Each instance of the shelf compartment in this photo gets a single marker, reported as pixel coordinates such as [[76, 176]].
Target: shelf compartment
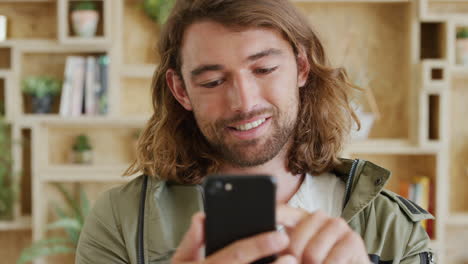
[[26, 173], [458, 196], [136, 97], [109, 149], [30, 19], [5, 58], [46, 64], [435, 74], [433, 40], [359, 36], [2, 97], [66, 32], [141, 47], [406, 168]]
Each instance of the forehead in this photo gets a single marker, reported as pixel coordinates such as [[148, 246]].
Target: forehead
[[211, 42]]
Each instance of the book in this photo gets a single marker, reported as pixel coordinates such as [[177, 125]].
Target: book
[[90, 84], [78, 85], [65, 98]]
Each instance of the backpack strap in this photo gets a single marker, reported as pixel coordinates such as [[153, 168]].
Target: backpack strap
[[141, 214]]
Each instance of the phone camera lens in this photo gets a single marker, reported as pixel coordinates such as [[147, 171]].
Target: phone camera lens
[[215, 187]]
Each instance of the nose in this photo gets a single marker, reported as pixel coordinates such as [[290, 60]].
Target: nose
[[243, 94]]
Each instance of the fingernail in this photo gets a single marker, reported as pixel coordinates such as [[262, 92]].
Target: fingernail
[[289, 259]]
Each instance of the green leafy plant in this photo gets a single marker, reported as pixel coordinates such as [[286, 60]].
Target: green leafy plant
[[158, 10], [7, 189], [82, 143], [462, 33], [84, 5], [70, 220], [41, 86]]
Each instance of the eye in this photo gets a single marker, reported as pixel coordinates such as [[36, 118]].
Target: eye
[[213, 84], [265, 70]]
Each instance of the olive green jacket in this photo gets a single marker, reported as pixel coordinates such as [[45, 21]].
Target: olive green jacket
[[388, 223]]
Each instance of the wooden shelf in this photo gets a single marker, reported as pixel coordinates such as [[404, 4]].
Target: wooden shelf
[[458, 219], [138, 71], [84, 173], [19, 224], [56, 120], [353, 1], [391, 146]]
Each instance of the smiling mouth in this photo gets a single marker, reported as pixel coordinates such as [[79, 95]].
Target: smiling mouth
[[249, 126]]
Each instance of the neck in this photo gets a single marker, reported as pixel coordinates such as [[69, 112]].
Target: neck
[[287, 183]]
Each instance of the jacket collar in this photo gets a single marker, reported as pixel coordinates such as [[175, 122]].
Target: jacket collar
[[364, 181]]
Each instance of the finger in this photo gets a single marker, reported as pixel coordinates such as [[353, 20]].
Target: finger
[[251, 249], [289, 216], [286, 259], [305, 231], [190, 247], [326, 238], [348, 250]]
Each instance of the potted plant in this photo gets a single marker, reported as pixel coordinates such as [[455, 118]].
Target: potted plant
[[85, 18], [7, 193], [462, 46], [42, 90], [158, 10], [82, 151], [70, 219]]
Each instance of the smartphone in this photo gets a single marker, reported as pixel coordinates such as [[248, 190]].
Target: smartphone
[[237, 207]]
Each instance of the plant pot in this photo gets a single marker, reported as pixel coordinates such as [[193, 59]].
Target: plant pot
[[42, 105], [85, 22], [82, 157], [462, 51]]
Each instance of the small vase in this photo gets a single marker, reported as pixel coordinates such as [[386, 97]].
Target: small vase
[[85, 22], [82, 157], [462, 51], [42, 105]]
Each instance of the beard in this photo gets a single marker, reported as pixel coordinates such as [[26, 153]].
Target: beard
[[250, 153]]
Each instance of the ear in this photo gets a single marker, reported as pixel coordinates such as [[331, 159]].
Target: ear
[[303, 67], [176, 85]]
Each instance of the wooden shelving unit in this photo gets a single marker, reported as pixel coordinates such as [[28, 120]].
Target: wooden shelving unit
[[407, 46]]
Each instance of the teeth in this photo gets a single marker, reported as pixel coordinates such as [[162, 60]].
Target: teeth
[[251, 125]]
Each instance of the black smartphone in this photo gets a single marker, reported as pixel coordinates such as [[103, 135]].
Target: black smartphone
[[237, 207]]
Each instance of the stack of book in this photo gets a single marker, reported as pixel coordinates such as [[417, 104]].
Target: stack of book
[[421, 191], [85, 86]]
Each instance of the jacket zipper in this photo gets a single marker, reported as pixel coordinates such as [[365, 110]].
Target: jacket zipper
[[349, 183]]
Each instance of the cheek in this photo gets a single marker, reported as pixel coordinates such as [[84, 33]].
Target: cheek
[[208, 108]]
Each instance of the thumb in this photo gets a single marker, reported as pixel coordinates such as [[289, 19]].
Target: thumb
[[190, 247]]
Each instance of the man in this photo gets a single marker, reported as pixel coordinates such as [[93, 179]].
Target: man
[[243, 87]]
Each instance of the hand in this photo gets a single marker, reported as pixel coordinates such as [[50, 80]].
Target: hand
[[241, 252], [317, 238]]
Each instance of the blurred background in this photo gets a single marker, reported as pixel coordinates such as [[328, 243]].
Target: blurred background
[[75, 79]]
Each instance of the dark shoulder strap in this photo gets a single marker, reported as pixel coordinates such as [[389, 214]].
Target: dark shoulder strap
[[141, 218]]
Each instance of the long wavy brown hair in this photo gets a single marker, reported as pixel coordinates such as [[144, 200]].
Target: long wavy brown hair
[[171, 146]]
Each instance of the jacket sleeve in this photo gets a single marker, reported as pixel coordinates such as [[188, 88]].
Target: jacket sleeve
[[417, 250], [101, 239]]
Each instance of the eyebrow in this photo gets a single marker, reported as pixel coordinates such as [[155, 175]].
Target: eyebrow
[[217, 67]]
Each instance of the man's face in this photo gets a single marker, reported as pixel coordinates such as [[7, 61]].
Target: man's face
[[243, 89]]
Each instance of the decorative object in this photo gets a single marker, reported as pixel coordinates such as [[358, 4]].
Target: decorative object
[[7, 189], [367, 119], [3, 28], [42, 90], [158, 10], [70, 219], [82, 151], [462, 46], [85, 18]]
